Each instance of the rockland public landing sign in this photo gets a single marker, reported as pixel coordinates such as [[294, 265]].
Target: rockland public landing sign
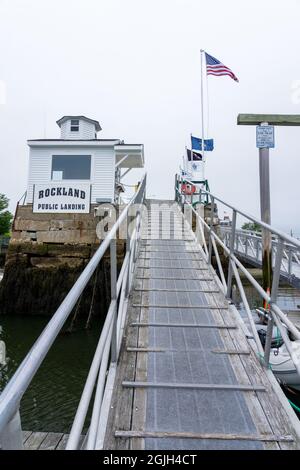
[[62, 198]]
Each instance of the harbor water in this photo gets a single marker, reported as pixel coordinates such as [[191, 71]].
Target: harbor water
[[51, 401], [52, 398]]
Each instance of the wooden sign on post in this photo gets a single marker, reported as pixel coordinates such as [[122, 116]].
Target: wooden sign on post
[[264, 141]]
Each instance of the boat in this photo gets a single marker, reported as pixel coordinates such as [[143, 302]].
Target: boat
[[277, 340], [280, 360], [283, 366]]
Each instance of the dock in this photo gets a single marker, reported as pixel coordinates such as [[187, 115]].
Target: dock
[[188, 375], [176, 367], [45, 440]]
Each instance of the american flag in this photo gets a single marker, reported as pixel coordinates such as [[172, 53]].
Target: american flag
[[215, 67]]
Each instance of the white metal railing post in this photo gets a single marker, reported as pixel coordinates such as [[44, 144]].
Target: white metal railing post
[[11, 437], [290, 261], [247, 307], [200, 236], [113, 288], [257, 249], [231, 247], [274, 292], [219, 264], [212, 201], [128, 251]]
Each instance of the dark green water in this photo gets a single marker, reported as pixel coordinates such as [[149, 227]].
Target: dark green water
[[52, 398]]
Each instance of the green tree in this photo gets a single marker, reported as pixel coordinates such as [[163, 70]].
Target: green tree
[[251, 226], [5, 216]]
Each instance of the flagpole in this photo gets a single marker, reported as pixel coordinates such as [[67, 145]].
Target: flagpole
[[202, 116]]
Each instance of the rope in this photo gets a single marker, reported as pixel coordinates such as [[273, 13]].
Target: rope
[[294, 406], [92, 301], [262, 360], [70, 329], [278, 336]]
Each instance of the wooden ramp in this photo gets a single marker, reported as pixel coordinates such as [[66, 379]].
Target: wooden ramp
[[188, 377], [46, 440]]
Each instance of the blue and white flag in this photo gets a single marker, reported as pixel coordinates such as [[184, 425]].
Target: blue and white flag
[[197, 144]]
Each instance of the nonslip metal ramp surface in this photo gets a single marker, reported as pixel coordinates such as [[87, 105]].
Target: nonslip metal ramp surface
[[195, 385]]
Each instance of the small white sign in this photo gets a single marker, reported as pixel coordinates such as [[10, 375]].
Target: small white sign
[[62, 198], [265, 137]]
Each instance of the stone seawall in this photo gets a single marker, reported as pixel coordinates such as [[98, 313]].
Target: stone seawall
[[37, 277], [54, 228], [46, 255]]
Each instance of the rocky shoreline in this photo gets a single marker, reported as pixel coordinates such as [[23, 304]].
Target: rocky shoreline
[[38, 276]]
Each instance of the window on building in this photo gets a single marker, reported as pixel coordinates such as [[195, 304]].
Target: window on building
[[71, 167], [74, 125]]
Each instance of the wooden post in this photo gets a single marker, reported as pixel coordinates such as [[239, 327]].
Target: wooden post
[[265, 210], [264, 174]]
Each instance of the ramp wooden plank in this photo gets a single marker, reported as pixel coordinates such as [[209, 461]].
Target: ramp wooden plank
[[216, 436], [26, 435], [51, 441], [35, 440]]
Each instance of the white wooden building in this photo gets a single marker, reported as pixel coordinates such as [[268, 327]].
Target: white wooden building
[[62, 170]]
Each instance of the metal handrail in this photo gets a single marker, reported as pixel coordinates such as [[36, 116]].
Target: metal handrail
[[258, 235], [269, 228], [10, 426], [244, 240], [276, 314]]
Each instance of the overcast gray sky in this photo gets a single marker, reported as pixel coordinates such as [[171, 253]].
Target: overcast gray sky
[[135, 66]]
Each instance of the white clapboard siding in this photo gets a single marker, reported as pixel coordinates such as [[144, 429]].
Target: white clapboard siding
[[39, 170], [102, 169], [86, 130], [104, 174]]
